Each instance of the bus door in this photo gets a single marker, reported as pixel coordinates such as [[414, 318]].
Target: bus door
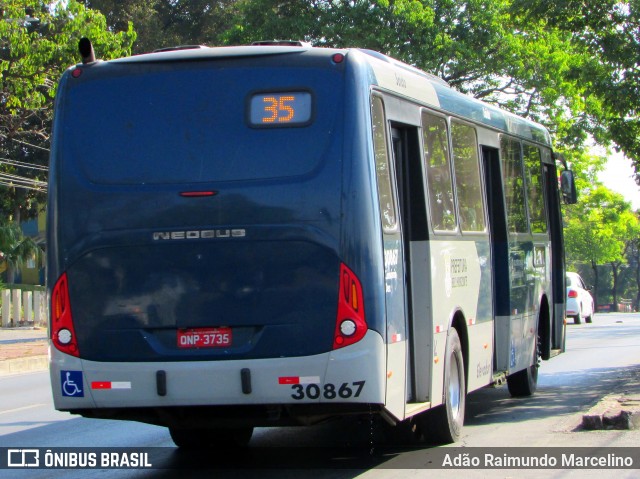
[[413, 216], [558, 331], [394, 273], [499, 256]]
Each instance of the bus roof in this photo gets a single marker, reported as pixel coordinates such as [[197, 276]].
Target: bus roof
[[388, 73]]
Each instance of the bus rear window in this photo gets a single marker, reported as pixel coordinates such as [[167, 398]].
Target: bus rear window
[[190, 124]]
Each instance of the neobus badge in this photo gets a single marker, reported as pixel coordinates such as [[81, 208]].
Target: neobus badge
[[198, 234]]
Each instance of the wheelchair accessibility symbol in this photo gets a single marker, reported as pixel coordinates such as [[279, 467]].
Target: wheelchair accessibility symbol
[[71, 383]]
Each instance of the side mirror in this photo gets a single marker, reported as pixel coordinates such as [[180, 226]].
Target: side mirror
[[568, 187]]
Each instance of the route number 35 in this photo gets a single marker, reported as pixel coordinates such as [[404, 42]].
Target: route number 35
[[280, 109]]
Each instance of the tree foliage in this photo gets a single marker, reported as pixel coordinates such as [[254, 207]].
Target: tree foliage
[[607, 32], [168, 23], [634, 260], [600, 230], [15, 248], [480, 47], [598, 226], [38, 40]]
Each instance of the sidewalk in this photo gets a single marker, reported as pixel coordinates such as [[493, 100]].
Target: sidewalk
[[23, 350]]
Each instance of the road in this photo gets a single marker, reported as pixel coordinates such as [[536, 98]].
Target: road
[[599, 358]]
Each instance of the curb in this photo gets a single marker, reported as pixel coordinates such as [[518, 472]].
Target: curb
[[619, 410], [620, 420], [24, 365]]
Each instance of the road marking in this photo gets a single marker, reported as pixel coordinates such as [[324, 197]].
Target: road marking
[[23, 408]]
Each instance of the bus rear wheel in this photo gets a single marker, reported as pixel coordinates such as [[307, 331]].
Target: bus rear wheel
[[525, 382], [443, 424], [214, 437]]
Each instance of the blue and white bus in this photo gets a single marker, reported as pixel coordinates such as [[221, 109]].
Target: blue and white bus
[[279, 234]]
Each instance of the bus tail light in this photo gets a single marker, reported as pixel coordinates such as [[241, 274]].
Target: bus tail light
[[63, 334], [351, 325], [573, 293]]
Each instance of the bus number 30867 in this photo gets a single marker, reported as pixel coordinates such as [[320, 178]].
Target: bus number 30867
[[328, 391]]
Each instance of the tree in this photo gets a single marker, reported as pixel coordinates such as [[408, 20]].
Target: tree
[[628, 229], [598, 231], [38, 40], [634, 260], [480, 47], [16, 249], [608, 34], [168, 23]]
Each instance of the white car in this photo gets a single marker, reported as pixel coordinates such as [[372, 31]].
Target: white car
[[579, 300]]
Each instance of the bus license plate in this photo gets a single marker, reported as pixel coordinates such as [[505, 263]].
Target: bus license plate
[[204, 338]]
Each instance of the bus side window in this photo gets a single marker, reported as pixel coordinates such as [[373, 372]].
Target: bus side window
[[438, 172], [468, 185], [383, 168], [535, 189], [513, 178]]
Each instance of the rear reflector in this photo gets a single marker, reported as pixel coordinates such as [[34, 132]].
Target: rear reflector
[[351, 325], [197, 194], [111, 385], [63, 335]]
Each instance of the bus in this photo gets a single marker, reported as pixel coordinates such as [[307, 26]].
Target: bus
[[278, 234]]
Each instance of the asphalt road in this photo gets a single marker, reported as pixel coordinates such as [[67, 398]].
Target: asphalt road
[[599, 359]]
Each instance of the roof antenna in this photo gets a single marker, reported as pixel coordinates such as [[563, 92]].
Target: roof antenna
[[86, 51]]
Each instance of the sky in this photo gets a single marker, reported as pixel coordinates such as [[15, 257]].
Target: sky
[[617, 176]]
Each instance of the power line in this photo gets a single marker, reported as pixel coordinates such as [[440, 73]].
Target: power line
[[21, 164], [13, 185], [16, 181], [21, 182], [22, 179], [25, 143]]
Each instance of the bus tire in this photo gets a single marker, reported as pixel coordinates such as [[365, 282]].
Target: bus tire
[[525, 382], [443, 424], [214, 437]]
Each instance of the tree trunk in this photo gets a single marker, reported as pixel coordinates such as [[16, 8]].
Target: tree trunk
[[615, 269], [11, 268], [17, 213], [637, 258], [594, 266], [11, 273]]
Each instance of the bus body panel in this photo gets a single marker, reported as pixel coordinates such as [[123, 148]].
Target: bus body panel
[[354, 374], [235, 283], [480, 373], [422, 344], [266, 240], [461, 284], [361, 243], [397, 327]]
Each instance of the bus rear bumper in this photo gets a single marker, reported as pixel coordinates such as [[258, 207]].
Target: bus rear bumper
[[353, 375]]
